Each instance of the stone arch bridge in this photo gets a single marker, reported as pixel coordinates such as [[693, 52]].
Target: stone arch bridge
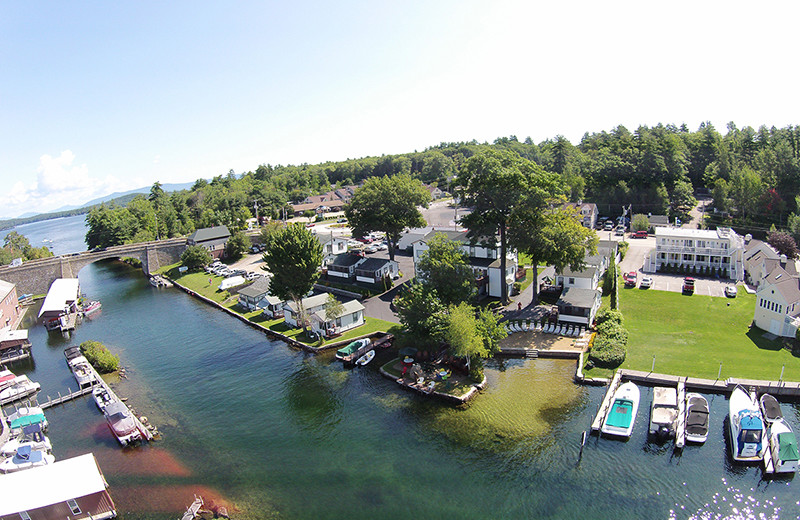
[[35, 276]]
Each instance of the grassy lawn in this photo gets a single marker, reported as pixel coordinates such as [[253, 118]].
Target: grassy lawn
[[691, 335]]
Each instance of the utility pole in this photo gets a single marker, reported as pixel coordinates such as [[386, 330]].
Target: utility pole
[[255, 206]]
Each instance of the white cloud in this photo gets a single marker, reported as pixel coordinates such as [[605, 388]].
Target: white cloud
[[59, 182]]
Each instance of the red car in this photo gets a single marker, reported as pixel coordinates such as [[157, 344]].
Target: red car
[[639, 234], [688, 285], [630, 279], [365, 240]]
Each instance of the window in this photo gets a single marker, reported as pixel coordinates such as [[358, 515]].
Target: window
[[24, 515], [74, 507], [355, 316], [572, 281]]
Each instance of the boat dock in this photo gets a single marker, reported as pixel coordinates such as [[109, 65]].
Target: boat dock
[[381, 342], [193, 510], [606, 404], [680, 427], [71, 395]]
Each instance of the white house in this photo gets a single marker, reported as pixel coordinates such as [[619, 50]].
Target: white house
[[374, 270], [587, 212], [331, 247], [720, 249], [586, 278], [410, 236], [578, 305], [777, 307], [256, 296], [759, 260], [484, 259], [314, 306]]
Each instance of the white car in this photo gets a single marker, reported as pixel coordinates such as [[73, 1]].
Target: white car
[[647, 282], [383, 246], [730, 291]]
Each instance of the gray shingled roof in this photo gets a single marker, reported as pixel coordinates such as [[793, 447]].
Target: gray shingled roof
[[212, 233], [257, 288], [577, 297], [372, 264]]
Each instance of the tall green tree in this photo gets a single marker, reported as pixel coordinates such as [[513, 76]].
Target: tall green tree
[[237, 245], [422, 314], [387, 204], [682, 200], [444, 268], [494, 184], [195, 257], [552, 236], [294, 257]]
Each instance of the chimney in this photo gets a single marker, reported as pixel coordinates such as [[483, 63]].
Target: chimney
[[783, 260], [747, 238]]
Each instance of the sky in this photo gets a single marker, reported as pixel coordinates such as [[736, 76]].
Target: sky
[[101, 97]]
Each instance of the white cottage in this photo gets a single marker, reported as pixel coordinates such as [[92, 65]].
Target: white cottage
[[314, 306]]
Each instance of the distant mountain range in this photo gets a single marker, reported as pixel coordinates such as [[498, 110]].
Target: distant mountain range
[[118, 194]]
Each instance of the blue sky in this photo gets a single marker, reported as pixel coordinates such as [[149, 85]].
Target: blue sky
[[97, 97]]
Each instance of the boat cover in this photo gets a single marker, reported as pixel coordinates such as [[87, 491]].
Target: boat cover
[[32, 429], [771, 407], [352, 347], [27, 420], [750, 421], [787, 443], [621, 414], [697, 419]]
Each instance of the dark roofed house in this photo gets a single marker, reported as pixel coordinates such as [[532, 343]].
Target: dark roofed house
[[250, 295], [658, 221], [373, 270], [213, 239], [344, 265], [577, 305]]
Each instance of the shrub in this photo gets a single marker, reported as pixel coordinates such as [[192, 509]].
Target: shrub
[[516, 288], [623, 249], [613, 332], [606, 354], [98, 355], [609, 315]]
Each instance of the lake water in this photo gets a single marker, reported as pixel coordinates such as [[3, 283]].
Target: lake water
[[277, 433]]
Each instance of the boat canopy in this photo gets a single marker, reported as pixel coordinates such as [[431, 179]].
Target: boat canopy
[[27, 420], [788, 446], [621, 414], [352, 347], [772, 409], [750, 421]]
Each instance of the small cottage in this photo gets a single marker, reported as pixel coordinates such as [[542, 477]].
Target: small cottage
[[374, 270]]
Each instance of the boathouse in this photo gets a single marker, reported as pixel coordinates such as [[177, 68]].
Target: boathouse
[[71, 488], [62, 298], [9, 305], [214, 239]]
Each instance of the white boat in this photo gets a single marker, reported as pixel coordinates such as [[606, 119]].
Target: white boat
[[770, 408], [31, 436], [19, 388], [92, 306], [6, 377], [622, 413], [664, 412], [26, 415], [747, 433], [696, 418], [82, 371], [782, 452], [366, 358], [352, 347], [101, 397], [25, 458], [121, 422]]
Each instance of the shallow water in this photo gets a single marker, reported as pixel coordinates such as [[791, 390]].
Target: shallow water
[[275, 432]]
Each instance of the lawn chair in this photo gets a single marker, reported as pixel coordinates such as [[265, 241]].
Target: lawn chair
[[561, 330], [518, 326], [538, 327], [569, 331], [525, 326], [548, 328], [508, 328]]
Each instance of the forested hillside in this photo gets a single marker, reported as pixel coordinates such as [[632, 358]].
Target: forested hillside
[[753, 175]]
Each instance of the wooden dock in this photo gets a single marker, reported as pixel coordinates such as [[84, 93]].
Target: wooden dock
[[193, 510], [680, 427], [606, 404], [72, 394], [19, 357], [381, 342]]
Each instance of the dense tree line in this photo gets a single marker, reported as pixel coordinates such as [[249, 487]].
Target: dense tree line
[[753, 175]]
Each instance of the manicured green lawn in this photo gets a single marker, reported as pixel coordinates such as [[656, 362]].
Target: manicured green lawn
[[691, 335]]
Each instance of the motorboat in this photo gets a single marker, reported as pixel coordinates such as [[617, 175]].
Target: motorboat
[[82, 371], [91, 307], [6, 377], [747, 433], [25, 458], [19, 388], [696, 418], [352, 347], [622, 414], [664, 412], [783, 453], [32, 436], [101, 397], [770, 408], [366, 358], [27, 415], [71, 353], [122, 423]]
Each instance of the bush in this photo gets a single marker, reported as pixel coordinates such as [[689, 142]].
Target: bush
[[195, 257], [606, 354], [517, 287], [613, 332], [623, 249], [609, 315], [98, 355]]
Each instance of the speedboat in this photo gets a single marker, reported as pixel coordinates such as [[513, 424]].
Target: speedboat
[[31, 436], [366, 358], [748, 442], [121, 422], [82, 371], [782, 452], [101, 397], [352, 347], [19, 388], [91, 307], [770, 408], [696, 418], [71, 353], [6, 377], [25, 458], [622, 414], [664, 412], [26, 415]]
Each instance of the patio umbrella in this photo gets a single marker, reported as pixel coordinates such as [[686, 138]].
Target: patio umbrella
[[408, 351]]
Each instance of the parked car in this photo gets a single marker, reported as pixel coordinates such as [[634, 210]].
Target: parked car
[[371, 249], [730, 291], [630, 279], [255, 249], [341, 220], [620, 231], [639, 234], [608, 226], [688, 285], [383, 246], [365, 240], [646, 283]]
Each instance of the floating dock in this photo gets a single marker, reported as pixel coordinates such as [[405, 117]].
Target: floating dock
[[606, 404], [680, 427], [73, 394], [382, 342]]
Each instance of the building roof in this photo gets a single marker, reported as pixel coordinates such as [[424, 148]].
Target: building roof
[[46, 485], [754, 246], [309, 303], [587, 272], [63, 291], [721, 233], [346, 260], [770, 264], [578, 297], [348, 307], [658, 220], [258, 288], [212, 233], [788, 287], [373, 264], [485, 262], [5, 288]]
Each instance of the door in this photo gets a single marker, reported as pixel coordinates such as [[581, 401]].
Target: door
[[775, 327]]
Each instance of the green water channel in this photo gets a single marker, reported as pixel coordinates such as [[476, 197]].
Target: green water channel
[[278, 433]]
